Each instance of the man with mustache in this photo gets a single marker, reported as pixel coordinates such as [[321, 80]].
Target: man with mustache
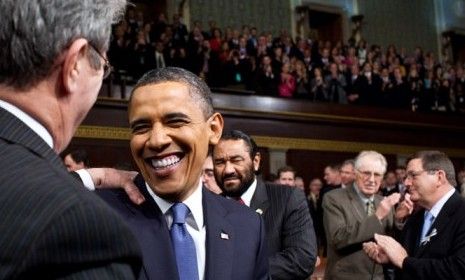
[[289, 228]]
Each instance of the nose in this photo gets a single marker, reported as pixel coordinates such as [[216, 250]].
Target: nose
[[229, 168], [159, 139]]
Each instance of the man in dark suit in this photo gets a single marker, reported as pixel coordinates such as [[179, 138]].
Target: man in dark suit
[[50, 227], [432, 243], [172, 127], [289, 228]]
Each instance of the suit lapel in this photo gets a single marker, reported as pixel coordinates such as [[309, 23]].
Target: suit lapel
[[439, 224], [219, 240], [357, 206], [259, 200], [153, 235], [14, 130]]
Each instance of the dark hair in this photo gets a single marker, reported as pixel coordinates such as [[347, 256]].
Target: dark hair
[[285, 169], [80, 155], [239, 135], [198, 89], [436, 160]]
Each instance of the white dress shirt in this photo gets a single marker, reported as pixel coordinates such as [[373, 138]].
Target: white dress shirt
[[29, 121], [194, 222], [248, 194]]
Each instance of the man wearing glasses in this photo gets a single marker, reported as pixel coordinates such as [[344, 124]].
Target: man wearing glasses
[[432, 243], [52, 62], [353, 215]]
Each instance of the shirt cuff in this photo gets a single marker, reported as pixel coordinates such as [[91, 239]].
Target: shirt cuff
[[86, 179]]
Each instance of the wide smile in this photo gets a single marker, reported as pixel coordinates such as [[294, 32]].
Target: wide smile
[[166, 164]]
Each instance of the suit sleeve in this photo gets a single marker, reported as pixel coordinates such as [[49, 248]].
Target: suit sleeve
[[344, 231], [298, 257], [80, 244]]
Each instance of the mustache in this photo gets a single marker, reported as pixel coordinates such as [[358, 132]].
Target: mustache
[[231, 176]]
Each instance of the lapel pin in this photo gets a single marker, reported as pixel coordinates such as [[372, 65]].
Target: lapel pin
[[224, 236], [259, 211], [427, 238]]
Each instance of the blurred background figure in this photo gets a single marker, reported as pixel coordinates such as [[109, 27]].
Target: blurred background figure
[[76, 159], [208, 178]]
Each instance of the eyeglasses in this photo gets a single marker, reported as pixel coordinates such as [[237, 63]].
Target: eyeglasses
[[413, 174], [368, 174], [107, 68]]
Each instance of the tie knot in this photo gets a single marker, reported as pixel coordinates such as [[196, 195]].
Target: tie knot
[[180, 212]]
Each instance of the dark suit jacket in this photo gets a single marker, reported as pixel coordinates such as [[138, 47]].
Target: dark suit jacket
[[289, 230], [50, 226], [443, 257], [242, 256]]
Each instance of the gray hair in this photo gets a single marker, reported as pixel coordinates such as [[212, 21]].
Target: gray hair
[[374, 156], [34, 33], [198, 89]]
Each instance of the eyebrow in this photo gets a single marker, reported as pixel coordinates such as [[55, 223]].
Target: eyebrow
[[168, 116]]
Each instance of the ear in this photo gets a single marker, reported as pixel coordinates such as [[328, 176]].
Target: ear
[[442, 179], [73, 63], [216, 123], [256, 161]]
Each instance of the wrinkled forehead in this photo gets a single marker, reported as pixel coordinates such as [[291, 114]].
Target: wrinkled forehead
[[371, 164]]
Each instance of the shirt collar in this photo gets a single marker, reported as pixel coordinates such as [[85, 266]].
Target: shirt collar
[[438, 206], [247, 195], [29, 121], [194, 202]]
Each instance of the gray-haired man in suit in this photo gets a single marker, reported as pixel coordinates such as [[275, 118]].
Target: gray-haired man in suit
[[52, 62]]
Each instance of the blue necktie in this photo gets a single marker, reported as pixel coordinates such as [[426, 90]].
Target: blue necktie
[[183, 244], [429, 218]]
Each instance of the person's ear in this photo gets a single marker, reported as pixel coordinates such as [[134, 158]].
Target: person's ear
[[73, 61], [216, 124], [256, 161]]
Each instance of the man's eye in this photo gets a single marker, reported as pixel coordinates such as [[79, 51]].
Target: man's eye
[[177, 122], [140, 128]]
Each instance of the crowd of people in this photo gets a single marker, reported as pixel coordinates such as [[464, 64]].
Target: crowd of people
[[258, 61], [166, 224]]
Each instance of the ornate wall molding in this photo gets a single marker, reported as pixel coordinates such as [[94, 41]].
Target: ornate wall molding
[[120, 133]]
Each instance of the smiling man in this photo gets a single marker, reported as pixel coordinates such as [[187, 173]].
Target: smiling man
[[353, 215], [172, 127], [433, 239]]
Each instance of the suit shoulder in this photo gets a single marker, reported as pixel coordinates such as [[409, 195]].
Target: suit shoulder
[[230, 206]]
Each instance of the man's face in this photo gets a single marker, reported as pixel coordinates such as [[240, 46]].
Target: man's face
[[315, 186], [331, 176], [208, 177], [391, 179], [369, 176], [233, 167], [299, 183], [420, 184], [347, 174], [170, 138], [400, 174], [287, 178]]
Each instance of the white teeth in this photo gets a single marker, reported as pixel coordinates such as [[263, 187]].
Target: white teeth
[[163, 163]]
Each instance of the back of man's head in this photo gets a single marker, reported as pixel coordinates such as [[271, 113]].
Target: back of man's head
[[35, 33]]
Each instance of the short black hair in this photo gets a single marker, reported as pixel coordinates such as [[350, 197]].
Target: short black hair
[[239, 135], [80, 155]]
